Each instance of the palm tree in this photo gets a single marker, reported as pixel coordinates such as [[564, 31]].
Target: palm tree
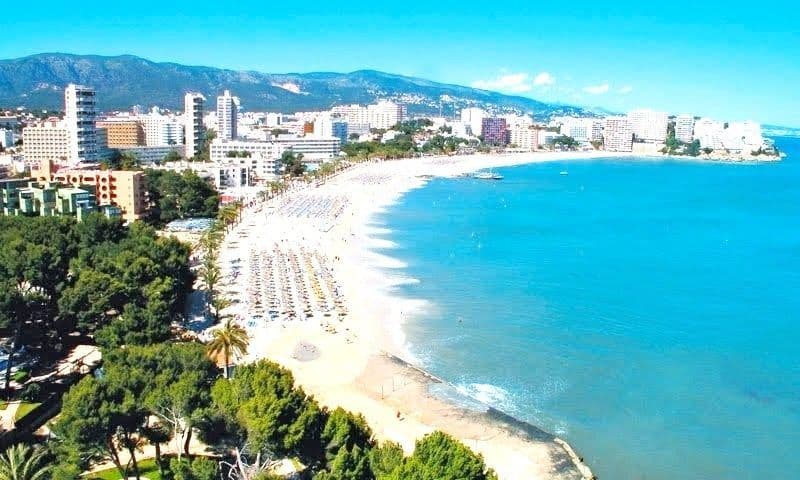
[[21, 462], [218, 303], [230, 214], [228, 340], [210, 241]]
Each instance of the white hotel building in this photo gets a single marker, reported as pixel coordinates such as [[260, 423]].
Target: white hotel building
[[194, 104], [473, 117], [684, 128], [162, 130], [385, 114], [263, 162], [314, 149], [709, 133], [649, 126], [79, 119], [48, 140], [618, 134], [525, 137], [227, 116]]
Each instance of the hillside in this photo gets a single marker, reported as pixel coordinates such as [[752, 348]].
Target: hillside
[[37, 82]]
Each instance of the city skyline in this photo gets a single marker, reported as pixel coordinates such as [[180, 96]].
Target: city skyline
[[714, 60]]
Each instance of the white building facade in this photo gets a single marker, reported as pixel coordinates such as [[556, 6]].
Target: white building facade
[[46, 141], [227, 116], [6, 138], [194, 105], [618, 134], [684, 128], [313, 149], [524, 137], [473, 118], [79, 119], [385, 114], [709, 133], [649, 126]]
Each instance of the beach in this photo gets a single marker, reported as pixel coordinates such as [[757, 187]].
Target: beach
[[317, 298]]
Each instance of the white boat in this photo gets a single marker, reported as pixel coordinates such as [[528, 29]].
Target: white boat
[[487, 176], [564, 172]]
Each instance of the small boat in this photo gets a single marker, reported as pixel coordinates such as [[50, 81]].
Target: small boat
[[564, 172], [487, 176]]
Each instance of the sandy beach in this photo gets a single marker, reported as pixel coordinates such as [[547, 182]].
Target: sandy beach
[[316, 298]]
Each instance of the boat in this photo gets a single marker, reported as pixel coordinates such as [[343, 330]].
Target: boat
[[564, 172], [487, 176]]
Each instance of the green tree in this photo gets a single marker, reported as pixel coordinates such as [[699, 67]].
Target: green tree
[[263, 405], [693, 148], [98, 418], [385, 460], [293, 163], [179, 195], [172, 156], [344, 430], [350, 464], [157, 434], [199, 468], [438, 456], [22, 462], [172, 380]]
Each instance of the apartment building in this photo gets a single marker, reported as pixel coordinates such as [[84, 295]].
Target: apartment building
[[473, 118], [122, 133], [385, 114], [494, 131], [618, 134], [649, 126], [79, 119], [46, 141], [124, 189], [524, 137], [227, 116], [684, 128], [195, 132], [32, 198]]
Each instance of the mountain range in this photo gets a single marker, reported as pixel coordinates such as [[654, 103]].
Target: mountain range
[[38, 81]]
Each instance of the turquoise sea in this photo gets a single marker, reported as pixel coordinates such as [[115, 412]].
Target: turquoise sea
[[646, 311]]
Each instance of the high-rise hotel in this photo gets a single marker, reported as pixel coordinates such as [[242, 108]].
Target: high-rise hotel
[[79, 120], [618, 134], [193, 119], [72, 139], [227, 113]]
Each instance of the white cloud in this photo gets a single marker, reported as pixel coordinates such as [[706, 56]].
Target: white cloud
[[597, 89], [626, 90], [512, 82], [543, 79]]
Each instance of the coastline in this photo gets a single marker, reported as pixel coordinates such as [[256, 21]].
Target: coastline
[[361, 363]]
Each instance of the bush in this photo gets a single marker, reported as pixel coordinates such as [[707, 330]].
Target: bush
[[204, 469], [200, 468], [181, 469], [31, 392], [20, 376]]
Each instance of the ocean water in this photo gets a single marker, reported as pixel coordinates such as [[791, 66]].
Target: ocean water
[[645, 311]]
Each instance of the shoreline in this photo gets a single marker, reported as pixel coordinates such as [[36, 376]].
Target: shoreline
[[361, 362]]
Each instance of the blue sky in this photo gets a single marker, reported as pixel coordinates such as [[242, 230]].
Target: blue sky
[[721, 59]]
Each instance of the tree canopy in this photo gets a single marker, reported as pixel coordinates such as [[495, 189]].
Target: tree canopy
[[95, 276], [179, 195]]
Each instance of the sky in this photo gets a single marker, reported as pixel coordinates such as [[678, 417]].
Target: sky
[[728, 60]]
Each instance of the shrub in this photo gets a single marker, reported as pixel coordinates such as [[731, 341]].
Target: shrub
[[204, 469], [20, 376], [31, 392], [200, 468]]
